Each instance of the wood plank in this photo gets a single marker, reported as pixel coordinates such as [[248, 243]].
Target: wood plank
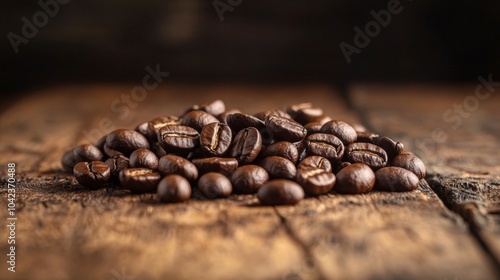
[[69, 233], [464, 166]]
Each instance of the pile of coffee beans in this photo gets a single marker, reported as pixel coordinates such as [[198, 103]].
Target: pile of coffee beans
[[281, 155]]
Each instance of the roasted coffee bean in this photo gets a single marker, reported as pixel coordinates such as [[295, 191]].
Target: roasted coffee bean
[[157, 149], [313, 127], [101, 142], [139, 180], [391, 147], [316, 162], [126, 141], [355, 179], [214, 185], [248, 178], [116, 164], [410, 162], [395, 179], [143, 129], [143, 158], [285, 129], [342, 130], [282, 149], [239, 121], [214, 108], [110, 152], [262, 115], [172, 164], [215, 139], [85, 152], [174, 188], [178, 138], [92, 174], [215, 164], [340, 166], [246, 145], [315, 181], [154, 125], [223, 117], [304, 113], [369, 154], [198, 119], [280, 192], [366, 137], [325, 145], [279, 167]]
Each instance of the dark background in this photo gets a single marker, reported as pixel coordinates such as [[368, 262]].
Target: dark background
[[258, 42]]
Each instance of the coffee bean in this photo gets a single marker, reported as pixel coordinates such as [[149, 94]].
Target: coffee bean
[[92, 174], [304, 113], [395, 179], [391, 147], [279, 167], [262, 115], [246, 145], [366, 137], [342, 130], [215, 164], [282, 149], [143, 158], [313, 127], [280, 192], [172, 164], [214, 185], [239, 121], [143, 129], [85, 152], [316, 162], [126, 141], [178, 138], [116, 164], [355, 179], [214, 108], [215, 139], [101, 142], [315, 181], [139, 180], [223, 117], [248, 178], [369, 154], [325, 145], [198, 119], [157, 149], [340, 166], [174, 188], [154, 125], [110, 152], [285, 129], [410, 162]]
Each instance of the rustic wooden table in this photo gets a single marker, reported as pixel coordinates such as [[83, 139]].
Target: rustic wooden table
[[447, 229]]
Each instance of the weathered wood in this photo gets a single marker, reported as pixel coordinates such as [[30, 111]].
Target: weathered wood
[[65, 232], [463, 166]]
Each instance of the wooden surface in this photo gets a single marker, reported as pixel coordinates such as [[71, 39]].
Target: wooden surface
[[447, 229]]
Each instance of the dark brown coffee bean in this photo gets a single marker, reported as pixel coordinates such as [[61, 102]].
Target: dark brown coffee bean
[[116, 164], [342, 130], [395, 179], [355, 179], [246, 145], [92, 174], [285, 129], [85, 152], [340, 166], [280, 192], [214, 185], [143, 158], [178, 138], [174, 188], [410, 162], [143, 129], [304, 113], [391, 147], [214, 108], [325, 145], [282, 149], [316, 162], [172, 164], [248, 178], [139, 180], [154, 125], [366, 137], [215, 139], [313, 127], [223, 117], [315, 181], [157, 149], [215, 164], [369, 154], [101, 142], [198, 119], [126, 141], [262, 115], [110, 152], [239, 121], [279, 167]]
